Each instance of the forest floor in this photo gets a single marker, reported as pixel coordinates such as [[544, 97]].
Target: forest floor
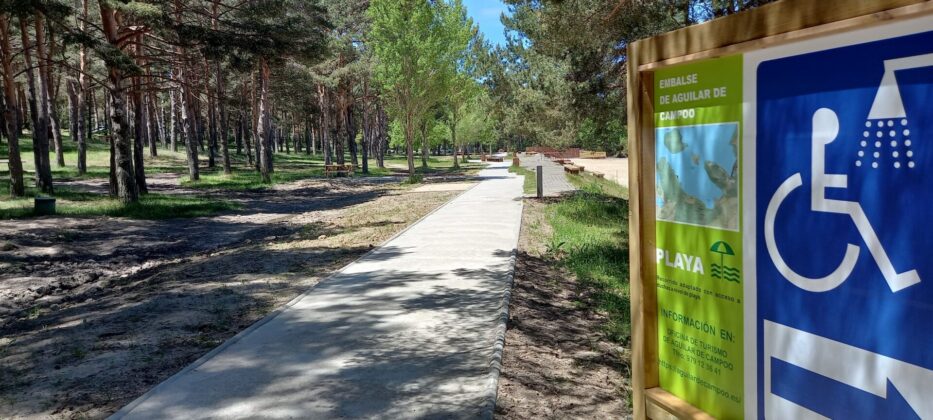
[[565, 352], [173, 195], [94, 311]]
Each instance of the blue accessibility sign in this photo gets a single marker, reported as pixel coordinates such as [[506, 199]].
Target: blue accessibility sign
[[844, 190]]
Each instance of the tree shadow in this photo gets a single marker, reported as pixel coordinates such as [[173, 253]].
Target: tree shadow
[[365, 343]]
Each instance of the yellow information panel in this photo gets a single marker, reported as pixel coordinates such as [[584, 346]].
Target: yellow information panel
[[698, 135]]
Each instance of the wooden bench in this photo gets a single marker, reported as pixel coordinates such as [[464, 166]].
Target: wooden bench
[[338, 170], [494, 159], [573, 169], [598, 174]]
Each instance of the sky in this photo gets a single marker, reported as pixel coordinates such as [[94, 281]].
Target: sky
[[486, 14]]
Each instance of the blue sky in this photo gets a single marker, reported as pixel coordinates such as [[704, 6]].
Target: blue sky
[[486, 14]]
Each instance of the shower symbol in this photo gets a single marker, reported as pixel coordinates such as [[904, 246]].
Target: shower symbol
[[825, 131], [887, 133]]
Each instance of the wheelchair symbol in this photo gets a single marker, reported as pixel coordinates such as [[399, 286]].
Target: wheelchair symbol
[[825, 130]]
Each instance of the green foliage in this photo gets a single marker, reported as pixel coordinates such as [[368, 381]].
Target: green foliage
[[417, 46], [609, 137], [560, 80], [275, 29], [590, 236], [532, 96], [477, 125]]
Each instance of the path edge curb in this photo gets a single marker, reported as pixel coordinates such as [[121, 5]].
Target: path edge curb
[[123, 411], [495, 364]]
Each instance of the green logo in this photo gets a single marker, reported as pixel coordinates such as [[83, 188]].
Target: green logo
[[721, 270]]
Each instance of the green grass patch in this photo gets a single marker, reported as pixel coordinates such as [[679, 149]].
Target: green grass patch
[[530, 187], [98, 159], [150, 206], [590, 235]]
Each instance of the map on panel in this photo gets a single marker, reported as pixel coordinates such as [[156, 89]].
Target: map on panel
[[698, 175]]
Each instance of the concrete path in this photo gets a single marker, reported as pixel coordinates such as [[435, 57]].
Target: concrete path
[[408, 331], [555, 179]]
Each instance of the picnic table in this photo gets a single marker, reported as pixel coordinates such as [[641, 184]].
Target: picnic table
[[338, 170]]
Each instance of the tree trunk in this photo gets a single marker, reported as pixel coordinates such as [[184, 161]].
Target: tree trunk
[[341, 121], [2, 119], [255, 120], [185, 98], [40, 136], [80, 89], [224, 146], [238, 136], [191, 145], [71, 87], [10, 112], [108, 129], [152, 129], [352, 130], [211, 118], [409, 143], [324, 130], [454, 121], [245, 107], [247, 141], [47, 87], [424, 144], [21, 110], [156, 135], [219, 89], [383, 140], [367, 134], [308, 139], [93, 117], [122, 158], [194, 113], [173, 125], [263, 133], [139, 127]]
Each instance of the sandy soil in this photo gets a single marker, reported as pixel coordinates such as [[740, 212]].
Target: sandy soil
[[615, 169], [449, 186], [556, 363], [95, 311]]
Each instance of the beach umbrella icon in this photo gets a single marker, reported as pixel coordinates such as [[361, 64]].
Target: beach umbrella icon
[[722, 248]]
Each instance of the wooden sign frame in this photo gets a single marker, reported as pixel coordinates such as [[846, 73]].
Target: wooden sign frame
[[773, 24]]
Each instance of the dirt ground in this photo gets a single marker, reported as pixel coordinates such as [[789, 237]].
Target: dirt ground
[[556, 363], [96, 311], [614, 169]]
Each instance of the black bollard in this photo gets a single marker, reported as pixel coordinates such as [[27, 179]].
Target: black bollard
[[540, 181]]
